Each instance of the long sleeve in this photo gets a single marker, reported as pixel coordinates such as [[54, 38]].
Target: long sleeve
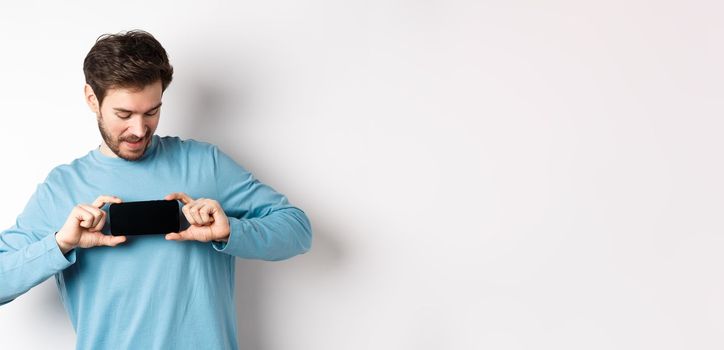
[[264, 225], [29, 253]]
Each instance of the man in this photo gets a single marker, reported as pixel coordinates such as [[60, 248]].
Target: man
[[173, 291]]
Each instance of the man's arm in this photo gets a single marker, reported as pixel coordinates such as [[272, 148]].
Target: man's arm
[[263, 225], [29, 253], [36, 247]]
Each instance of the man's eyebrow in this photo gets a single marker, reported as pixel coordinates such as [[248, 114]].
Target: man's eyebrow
[[127, 111]]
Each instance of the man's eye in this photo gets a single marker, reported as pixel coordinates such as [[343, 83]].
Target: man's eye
[[123, 116], [151, 114]]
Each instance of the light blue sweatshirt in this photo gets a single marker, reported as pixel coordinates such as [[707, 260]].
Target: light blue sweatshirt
[[150, 293]]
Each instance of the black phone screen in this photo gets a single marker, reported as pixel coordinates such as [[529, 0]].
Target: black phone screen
[[144, 218]]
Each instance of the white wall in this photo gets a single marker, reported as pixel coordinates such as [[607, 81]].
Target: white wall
[[479, 175]]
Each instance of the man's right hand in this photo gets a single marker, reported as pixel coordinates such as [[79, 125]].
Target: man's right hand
[[84, 224]]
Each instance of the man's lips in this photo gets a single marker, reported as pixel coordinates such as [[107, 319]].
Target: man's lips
[[136, 144]]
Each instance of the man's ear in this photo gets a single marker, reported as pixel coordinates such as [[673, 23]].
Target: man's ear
[[90, 99]]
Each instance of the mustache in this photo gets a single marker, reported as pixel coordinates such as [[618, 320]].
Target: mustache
[[134, 139]]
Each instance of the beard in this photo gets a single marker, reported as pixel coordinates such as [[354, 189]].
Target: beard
[[115, 144]]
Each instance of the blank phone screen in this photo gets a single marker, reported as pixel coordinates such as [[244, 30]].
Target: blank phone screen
[[144, 218]]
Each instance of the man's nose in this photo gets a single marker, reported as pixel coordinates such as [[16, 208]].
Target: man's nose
[[137, 127]]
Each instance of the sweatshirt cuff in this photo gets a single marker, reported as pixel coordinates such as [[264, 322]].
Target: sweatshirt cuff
[[234, 232], [57, 259]]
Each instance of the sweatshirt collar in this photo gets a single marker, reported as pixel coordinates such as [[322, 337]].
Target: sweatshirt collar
[[97, 155]]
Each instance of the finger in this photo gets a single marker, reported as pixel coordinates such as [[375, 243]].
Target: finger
[[214, 210], [97, 214], [194, 211], [83, 217], [101, 222], [180, 196], [187, 214], [204, 214], [102, 200]]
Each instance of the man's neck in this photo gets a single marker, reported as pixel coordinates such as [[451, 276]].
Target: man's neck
[[106, 151]]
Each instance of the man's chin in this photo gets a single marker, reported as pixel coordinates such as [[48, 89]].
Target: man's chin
[[131, 154]]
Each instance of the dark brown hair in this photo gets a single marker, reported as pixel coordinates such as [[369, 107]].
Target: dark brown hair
[[132, 59]]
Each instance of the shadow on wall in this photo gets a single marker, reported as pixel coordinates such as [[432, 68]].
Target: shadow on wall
[[251, 286], [215, 113], [208, 119]]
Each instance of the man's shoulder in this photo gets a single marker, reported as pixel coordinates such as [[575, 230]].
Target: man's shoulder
[[62, 171], [190, 144]]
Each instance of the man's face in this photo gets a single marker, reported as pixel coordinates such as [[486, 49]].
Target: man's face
[[128, 118]]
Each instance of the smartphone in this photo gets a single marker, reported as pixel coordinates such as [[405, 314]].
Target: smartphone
[[144, 217]]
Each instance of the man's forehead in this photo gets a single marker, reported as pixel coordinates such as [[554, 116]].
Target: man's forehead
[[134, 98], [132, 108]]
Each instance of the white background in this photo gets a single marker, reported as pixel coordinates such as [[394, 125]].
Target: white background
[[479, 175]]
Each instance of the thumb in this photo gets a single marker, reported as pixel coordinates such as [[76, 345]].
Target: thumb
[[177, 236], [111, 241]]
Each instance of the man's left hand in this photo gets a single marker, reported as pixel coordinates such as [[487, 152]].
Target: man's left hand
[[206, 217]]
